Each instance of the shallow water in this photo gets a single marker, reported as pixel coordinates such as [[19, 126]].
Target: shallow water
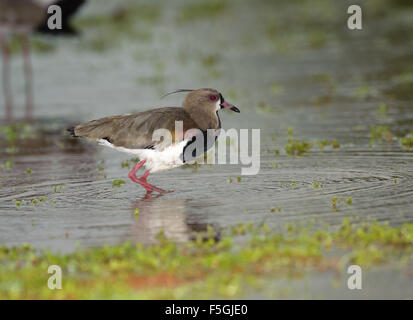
[[327, 84]]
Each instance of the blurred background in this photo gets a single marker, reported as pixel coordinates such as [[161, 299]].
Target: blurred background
[[334, 107]]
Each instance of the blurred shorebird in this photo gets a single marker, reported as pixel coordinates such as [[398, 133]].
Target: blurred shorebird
[[21, 18], [133, 133]]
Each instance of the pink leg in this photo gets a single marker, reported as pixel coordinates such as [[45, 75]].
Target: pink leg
[[28, 76], [6, 76], [142, 181]]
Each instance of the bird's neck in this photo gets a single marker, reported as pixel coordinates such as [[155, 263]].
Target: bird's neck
[[206, 119]]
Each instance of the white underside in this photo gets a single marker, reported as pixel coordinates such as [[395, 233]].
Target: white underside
[[156, 160]]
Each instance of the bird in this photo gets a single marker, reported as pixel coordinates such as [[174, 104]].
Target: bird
[[21, 18], [133, 133]]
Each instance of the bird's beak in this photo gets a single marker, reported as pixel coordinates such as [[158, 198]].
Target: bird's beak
[[227, 105]]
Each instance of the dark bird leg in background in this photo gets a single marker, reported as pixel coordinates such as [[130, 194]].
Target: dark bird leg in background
[[6, 76], [28, 76], [142, 180]]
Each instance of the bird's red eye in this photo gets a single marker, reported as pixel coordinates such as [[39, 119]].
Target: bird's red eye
[[213, 98]]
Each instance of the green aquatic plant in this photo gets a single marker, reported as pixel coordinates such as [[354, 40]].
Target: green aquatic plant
[[17, 203], [317, 185], [382, 111], [118, 183], [8, 164], [265, 107], [38, 45], [379, 134], [276, 89], [325, 143], [365, 91], [17, 131], [205, 267], [125, 164], [58, 188], [297, 147], [132, 21], [407, 141], [205, 9]]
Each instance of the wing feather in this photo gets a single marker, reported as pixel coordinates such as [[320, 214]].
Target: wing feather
[[135, 131]]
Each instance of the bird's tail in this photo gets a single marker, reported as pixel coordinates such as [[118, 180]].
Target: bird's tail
[[69, 8]]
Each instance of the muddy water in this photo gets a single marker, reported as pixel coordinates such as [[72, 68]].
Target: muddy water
[[308, 73]]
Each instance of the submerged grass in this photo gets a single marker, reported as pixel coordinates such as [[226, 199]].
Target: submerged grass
[[205, 267]]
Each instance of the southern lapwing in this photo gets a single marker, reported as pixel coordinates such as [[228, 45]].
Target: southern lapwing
[[22, 17], [198, 117]]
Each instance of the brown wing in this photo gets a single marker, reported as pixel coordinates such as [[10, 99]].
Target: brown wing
[[135, 131]]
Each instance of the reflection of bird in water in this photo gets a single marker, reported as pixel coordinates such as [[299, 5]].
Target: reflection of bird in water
[[22, 17], [169, 216]]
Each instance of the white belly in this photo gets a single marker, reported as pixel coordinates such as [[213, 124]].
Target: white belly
[[156, 160]]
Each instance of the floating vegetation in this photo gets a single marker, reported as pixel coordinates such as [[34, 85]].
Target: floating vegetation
[[8, 164], [334, 202], [265, 107], [38, 45], [129, 163], [132, 21], [58, 188], [209, 62], [317, 39], [379, 134], [277, 89], [297, 147], [206, 9], [365, 91], [17, 203], [125, 164], [326, 143], [16, 131], [382, 111], [317, 184], [227, 268], [407, 141], [118, 183]]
